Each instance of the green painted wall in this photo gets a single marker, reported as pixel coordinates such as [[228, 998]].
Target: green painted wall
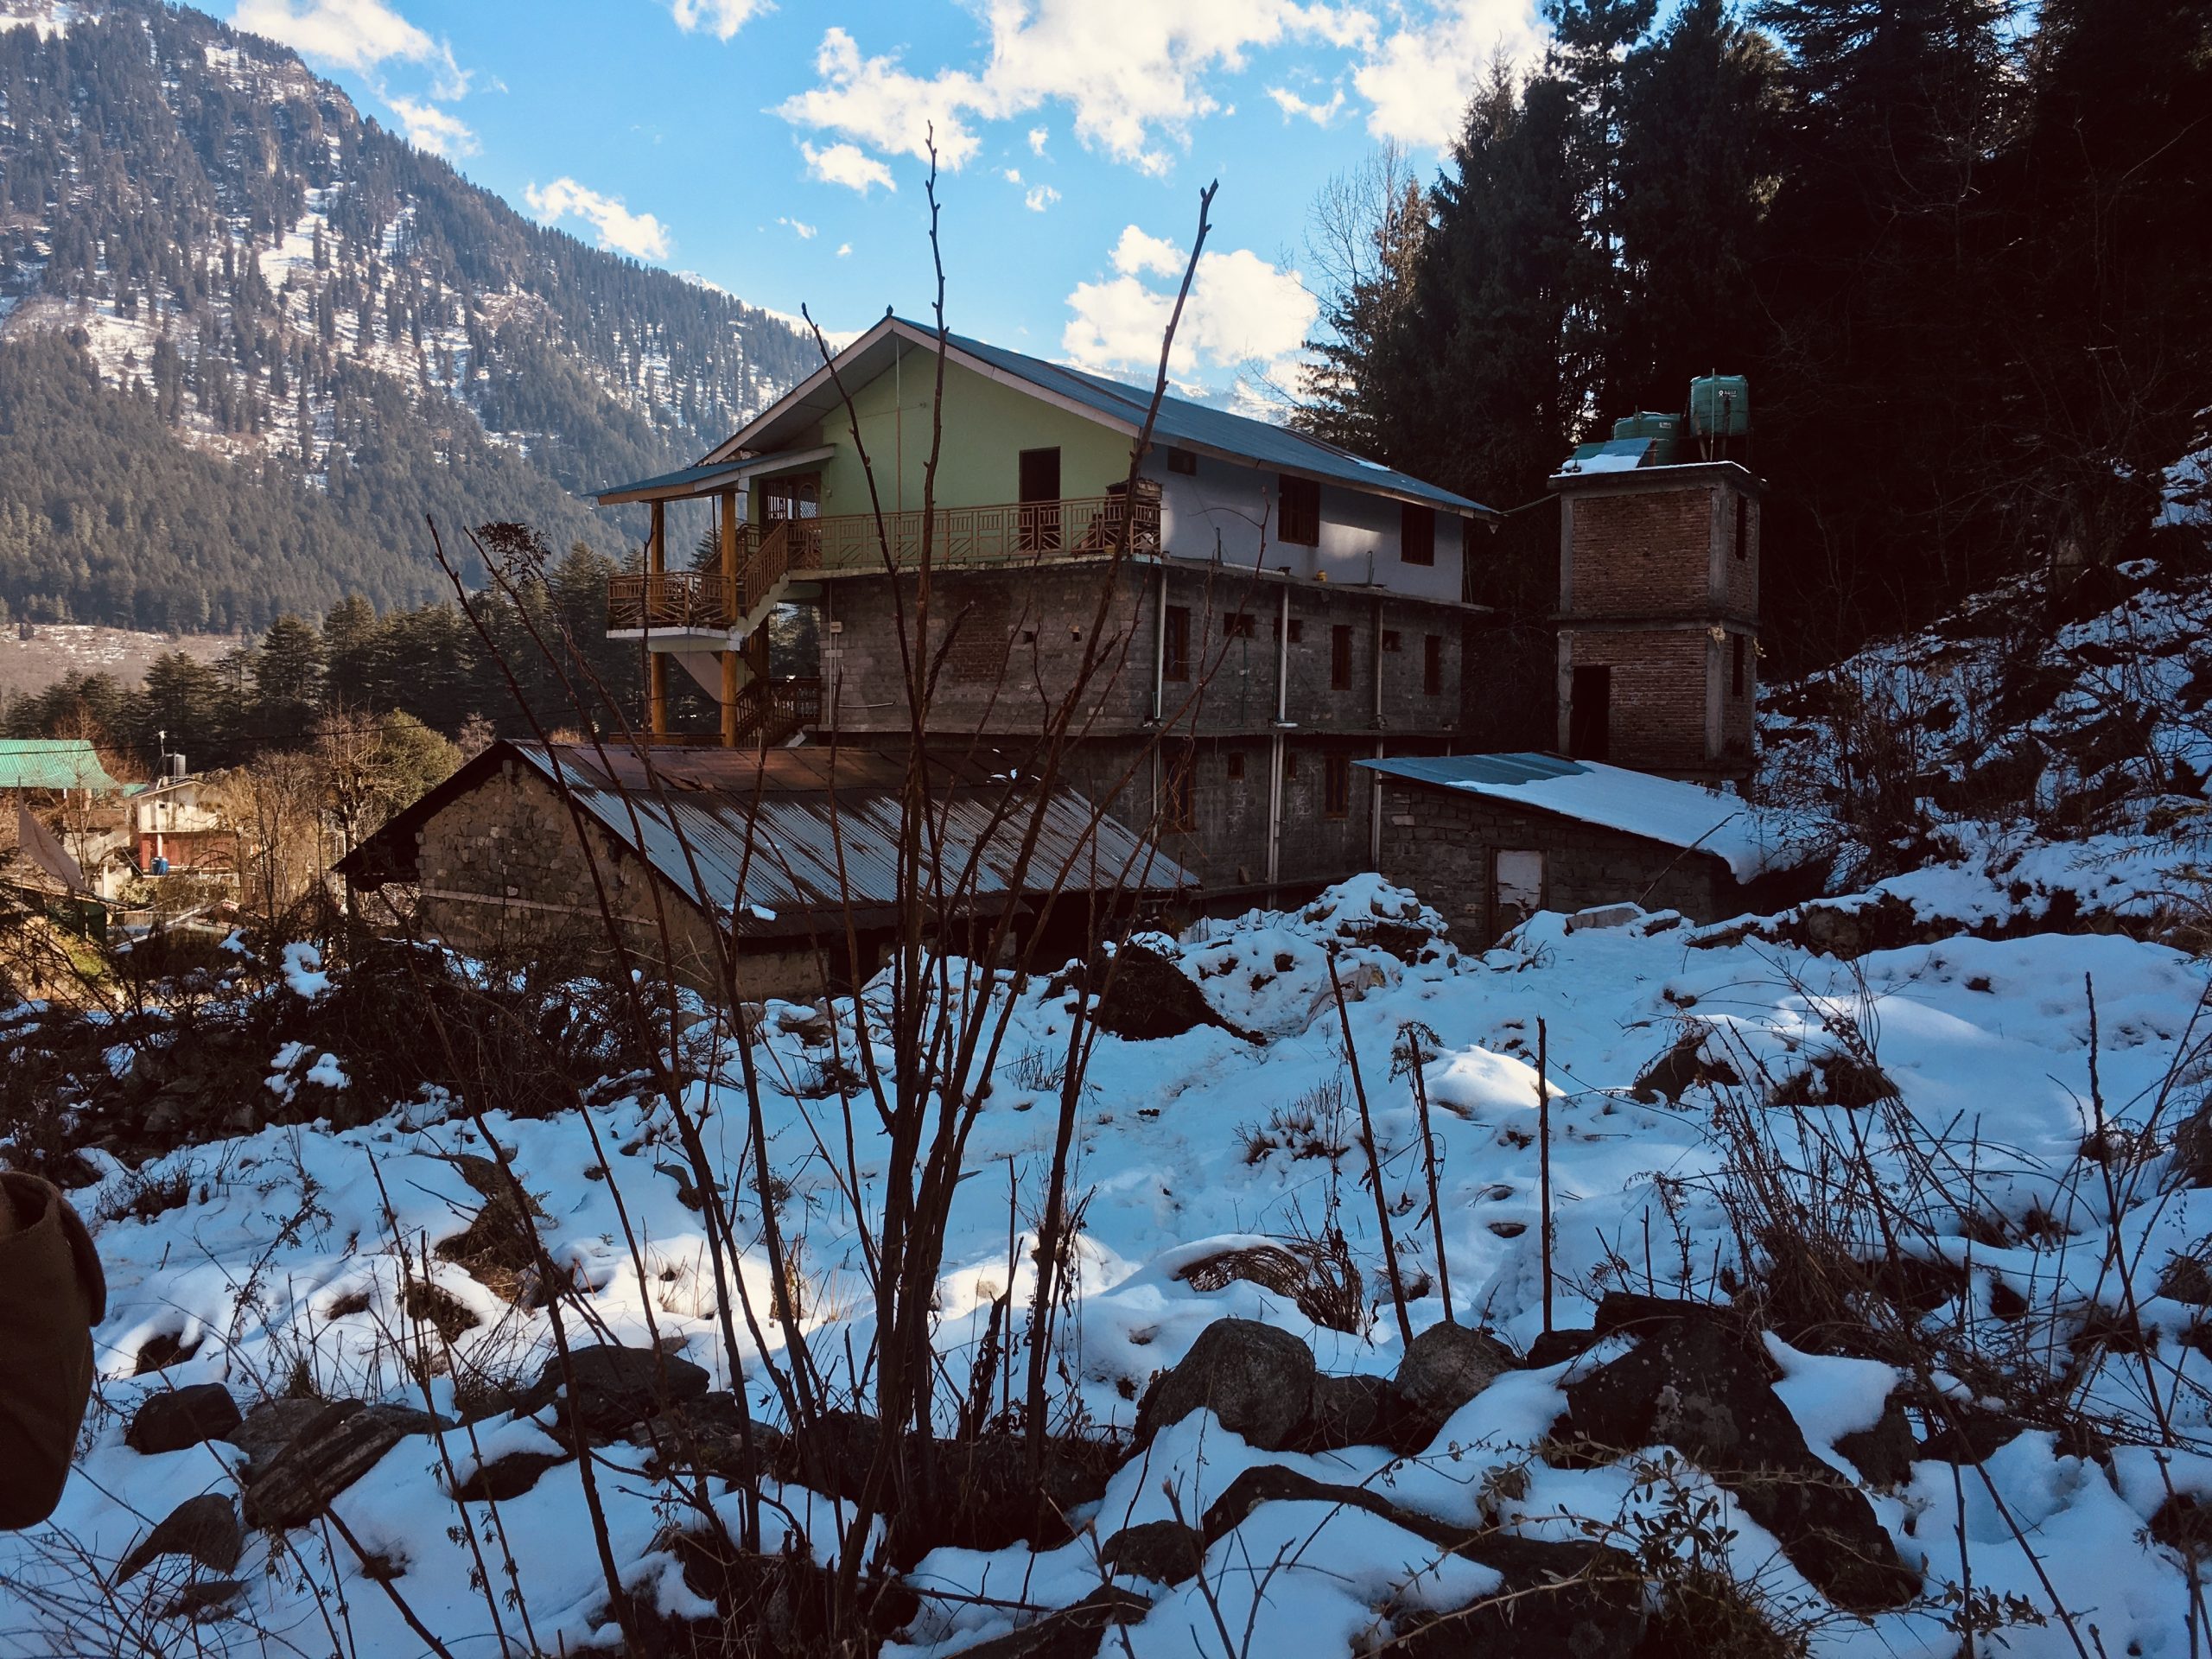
[[987, 426]]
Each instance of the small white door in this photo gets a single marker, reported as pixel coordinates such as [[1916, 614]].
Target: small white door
[[1518, 891]]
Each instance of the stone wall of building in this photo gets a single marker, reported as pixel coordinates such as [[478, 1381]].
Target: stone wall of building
[[501, 871], [1443, 844]]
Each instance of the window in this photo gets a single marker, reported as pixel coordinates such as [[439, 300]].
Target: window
[[1297, 629], [1743, 525], [1184, 461], [1238, 625], [1340, 657], [1289, 767], [791, 495], [1179, 811], [1431, 664], [1589, 714], [1301, 512], [1175, 644], [1236, 766], [1336, 787], [1041, 501], [1391, 642], [1736, 664], [1417, 534]]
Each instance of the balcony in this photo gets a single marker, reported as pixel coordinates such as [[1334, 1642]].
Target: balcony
[[1005, 535]]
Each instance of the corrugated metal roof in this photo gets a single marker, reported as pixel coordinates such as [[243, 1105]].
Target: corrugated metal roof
[[779, 837], [1182, 421], [708, 477], [52, 763], [1751, 840]]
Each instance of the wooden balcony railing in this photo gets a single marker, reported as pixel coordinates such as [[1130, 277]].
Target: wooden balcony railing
[[1001, 535]]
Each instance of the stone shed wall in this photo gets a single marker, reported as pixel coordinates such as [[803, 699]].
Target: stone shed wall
[[501, 870], [1442, 844]]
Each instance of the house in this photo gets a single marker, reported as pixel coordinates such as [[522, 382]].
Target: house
[[1268, 609], [1491, 839], [172, 826], [793, 853], [53, 765]]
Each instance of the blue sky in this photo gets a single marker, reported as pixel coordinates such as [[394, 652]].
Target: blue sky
[[775, 149]]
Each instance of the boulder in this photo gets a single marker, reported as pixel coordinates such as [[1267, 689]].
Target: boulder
[[707, 1435], [1143, 995], [1350, 1411], [507, 1477], [1257, 1380], [269, 1426], [204, 1528], [614, 1387], [1695, 1383], [342, 1442], [176, 1418], [1166, 1552], [1570, 1598], [1445, 1367], [1884, 1454], [1077, 1632]]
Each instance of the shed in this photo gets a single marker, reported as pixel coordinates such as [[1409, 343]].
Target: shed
[[787, 848], [1491, 839]]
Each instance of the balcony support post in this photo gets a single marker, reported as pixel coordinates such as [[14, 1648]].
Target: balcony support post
[[729, 614], [656, 662]]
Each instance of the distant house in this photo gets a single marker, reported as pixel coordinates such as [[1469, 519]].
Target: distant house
[[1491, 839], [784, 850], [173, 828], [53, 765]]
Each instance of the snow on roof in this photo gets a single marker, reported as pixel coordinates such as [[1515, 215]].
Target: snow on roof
[[1753, 841]]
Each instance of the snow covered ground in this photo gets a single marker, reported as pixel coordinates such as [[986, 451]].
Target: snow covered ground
[[286, 1267]]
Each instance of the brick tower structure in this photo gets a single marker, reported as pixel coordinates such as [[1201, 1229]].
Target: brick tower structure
[[1658, 608]]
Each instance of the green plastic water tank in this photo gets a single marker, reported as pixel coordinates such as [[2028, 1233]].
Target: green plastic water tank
[[1720, 406]]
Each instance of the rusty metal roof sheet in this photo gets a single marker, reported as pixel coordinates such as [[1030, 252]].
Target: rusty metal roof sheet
[[778, 838]]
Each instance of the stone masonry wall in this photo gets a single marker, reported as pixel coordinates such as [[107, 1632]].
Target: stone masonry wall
[[1642, 552], [501, 869], [1441, 842], [1658, 711]]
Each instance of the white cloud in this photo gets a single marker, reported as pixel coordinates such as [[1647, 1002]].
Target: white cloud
[[1242, 311], [359, 35], [1039, 198], [806, 233], [1038, 136], [844, 249], [640, 235], [849, 165], [1136, 253], [1134, 72], [1293, 105], [439, 132], [1011, 175], [1419, 77], [722, 17]]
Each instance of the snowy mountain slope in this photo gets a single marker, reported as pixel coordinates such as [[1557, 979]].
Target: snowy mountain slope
[[1962, 1070], [226, 235]]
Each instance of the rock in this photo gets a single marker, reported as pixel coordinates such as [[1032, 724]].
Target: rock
[[1597, 916], [507, 1477], [615, 1387], [1556, 1347], [1350, 1411], [176, 1418], [2193, 1147], [1077, 1632], [1445, 1367], [204, 1528], [707, 1435], [203, 1599], [2183, 1523], [1257, 1380], [1581, 1599], [1166, 1551], [1682, 1068], [1144, 995], [1968, 1434], [1692, 1382], [342, 1442], [1883, 1454], [269, 1426]]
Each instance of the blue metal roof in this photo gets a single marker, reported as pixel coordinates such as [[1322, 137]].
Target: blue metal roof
[[683, 478], [1182, 422], [1497, 771]]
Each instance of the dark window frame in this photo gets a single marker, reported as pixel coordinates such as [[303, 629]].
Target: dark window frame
[[1416, 533], [1340, 669], [1239, 625], [1183, 461], [1175, 644], [1431, 664], [1178, 806], [1298, 518], [1336, 788]]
